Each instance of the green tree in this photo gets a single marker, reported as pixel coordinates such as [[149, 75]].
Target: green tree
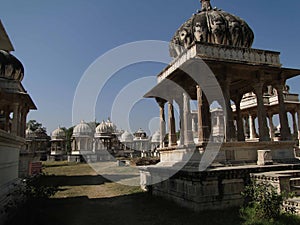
[[34, 125]]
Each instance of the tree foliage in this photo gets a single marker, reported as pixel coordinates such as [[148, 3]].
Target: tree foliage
[[34, 125]]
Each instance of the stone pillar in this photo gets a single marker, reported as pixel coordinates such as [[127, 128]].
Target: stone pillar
[[24, 113], [285, 133], [298, 118], [187, 120], [247, 127], [200, 124], [295, 127], [162, 122], [181, 121], [172, 129], [271, 126], [252, 129], [229, 124], [7, 112], [239, 119], [16, 119], [261, 113]]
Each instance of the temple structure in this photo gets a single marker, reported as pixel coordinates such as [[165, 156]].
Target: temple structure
[[214, 62], [105, 142], [15, 104]]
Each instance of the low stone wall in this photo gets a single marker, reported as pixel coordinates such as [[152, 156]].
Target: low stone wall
[[208, 190], [10, 146]]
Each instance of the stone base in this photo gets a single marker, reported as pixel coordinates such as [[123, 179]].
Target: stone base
[[212, 189], [234, 153], [219, 186]]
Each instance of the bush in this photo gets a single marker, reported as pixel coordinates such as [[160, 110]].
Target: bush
[[263, 205], [29, 193]]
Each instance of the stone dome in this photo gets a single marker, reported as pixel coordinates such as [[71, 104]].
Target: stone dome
[[30, 134], [140, 134], [126, 137], [101, 128], [111, 127], [156, 137], [212, 26], [58, 134], [10, 67], [82, 129]]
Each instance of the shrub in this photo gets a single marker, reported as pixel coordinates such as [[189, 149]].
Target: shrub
[[31, 191], [263, 205]]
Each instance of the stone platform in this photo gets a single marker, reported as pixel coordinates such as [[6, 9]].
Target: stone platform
[[178, 177]]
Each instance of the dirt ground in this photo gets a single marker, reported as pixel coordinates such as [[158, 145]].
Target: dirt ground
[[87, 198]]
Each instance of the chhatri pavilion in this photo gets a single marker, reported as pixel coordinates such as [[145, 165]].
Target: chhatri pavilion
[[214, 62]]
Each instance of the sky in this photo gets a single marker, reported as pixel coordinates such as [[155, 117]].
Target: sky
[[58, 40]]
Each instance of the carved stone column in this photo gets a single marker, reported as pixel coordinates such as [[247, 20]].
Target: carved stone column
[[181, 120], [239, 119], [172, 129], [271, 126], [229, 124], [285, 132], [252, 129], [261, 113], [200, 124], [295, 127], [187, 120], [16, 120], [298, 118], [247, 127], [24, 113], [7, 112], [162, 122]]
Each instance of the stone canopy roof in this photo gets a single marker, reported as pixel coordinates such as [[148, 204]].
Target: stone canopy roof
[[214, 26]]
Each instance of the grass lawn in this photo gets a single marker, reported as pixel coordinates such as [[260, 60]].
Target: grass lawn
[[87, 198]]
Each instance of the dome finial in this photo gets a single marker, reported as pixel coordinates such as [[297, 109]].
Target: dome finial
[[206, 6]]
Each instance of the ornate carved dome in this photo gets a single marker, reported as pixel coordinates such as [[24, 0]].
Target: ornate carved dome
[[156, 137], [140, 134], [10, 67], [213, 26], [127, 137], [30, 134], [58, 134], [82, 129], [102, 128], [106, 127], [111, 127]]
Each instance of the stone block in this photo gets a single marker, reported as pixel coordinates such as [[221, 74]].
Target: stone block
[[264, 157]]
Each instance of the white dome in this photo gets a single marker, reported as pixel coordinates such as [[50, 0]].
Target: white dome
[[82, 129], [102, 128], [58, 134], [156, 137], [30, 133], [126, 137], [110, 126]]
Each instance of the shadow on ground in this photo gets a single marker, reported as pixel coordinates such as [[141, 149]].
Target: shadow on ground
[[135, 209]]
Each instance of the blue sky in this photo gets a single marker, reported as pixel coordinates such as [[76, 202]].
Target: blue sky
[[58, 40]]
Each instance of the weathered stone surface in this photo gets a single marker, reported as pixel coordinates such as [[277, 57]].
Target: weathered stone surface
[[212, 26]]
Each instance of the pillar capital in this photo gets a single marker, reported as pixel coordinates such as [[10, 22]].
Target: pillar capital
[[161, 102]]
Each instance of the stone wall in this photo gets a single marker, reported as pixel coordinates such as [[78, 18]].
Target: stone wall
[[10, 146], [217, 188]]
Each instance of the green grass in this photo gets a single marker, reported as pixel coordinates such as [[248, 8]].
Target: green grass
[[87, 198]]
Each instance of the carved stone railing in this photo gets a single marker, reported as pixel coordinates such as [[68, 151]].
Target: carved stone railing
[[246, 55], [222, 53]]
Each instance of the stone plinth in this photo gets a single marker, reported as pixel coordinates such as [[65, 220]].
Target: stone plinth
[[212, 189], [10, 146], [264, 157]]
